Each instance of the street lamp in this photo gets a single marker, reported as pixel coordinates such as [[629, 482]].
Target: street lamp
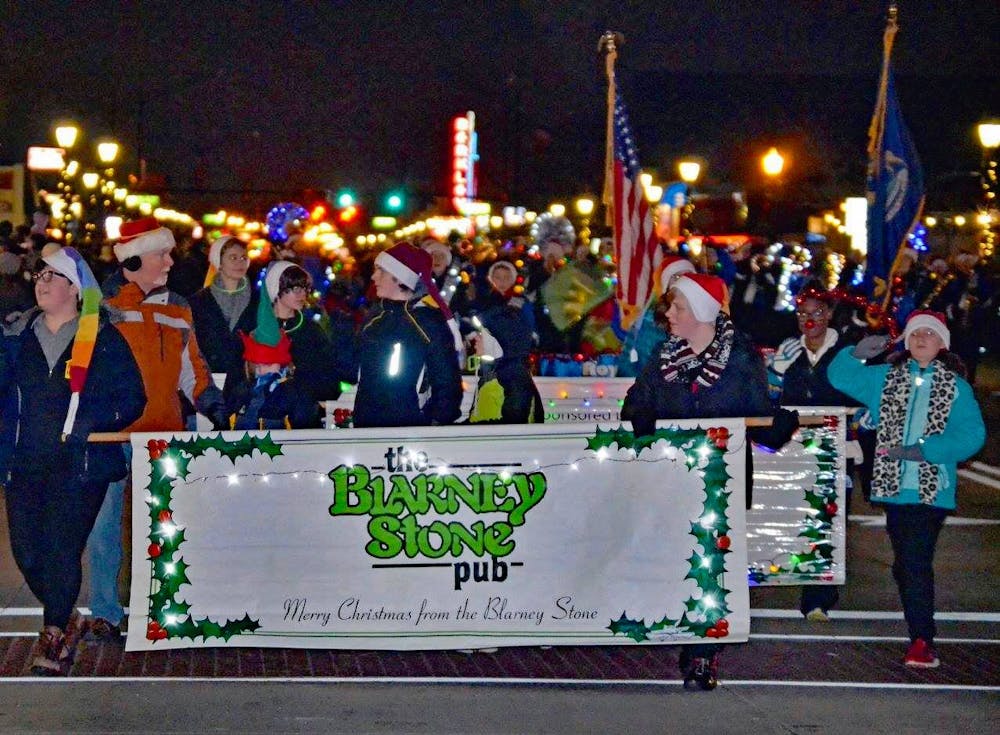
[[989, 134], [66, 135], [689, 171], [772, 163], [107, 152], [557, 210], [585, 208]]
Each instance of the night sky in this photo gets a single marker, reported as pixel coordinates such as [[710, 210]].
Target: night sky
[[279, 96]]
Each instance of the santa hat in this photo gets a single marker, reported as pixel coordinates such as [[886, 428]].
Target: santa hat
[[410, 266], [71, 264], [272, 279], [927, 319], [705, 294], [143, 236], [501, 265], [432, 246], [267, 344], [672, 265], [215, 256]]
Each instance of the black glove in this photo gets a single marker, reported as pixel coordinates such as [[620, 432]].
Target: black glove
[[784, 424], [871, 346], [912, 452], [219, 416]]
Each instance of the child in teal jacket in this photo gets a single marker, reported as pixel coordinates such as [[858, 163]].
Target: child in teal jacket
[[927, 422]]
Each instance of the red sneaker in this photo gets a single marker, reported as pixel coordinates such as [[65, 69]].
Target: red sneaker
[[921, 655]]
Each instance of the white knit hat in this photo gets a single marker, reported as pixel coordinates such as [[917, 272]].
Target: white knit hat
[[273, 277], [431, 246], [926, 319], [215, 250], [705, 294]]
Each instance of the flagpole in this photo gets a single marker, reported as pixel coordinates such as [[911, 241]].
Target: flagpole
[[875, 137], [608, 44]]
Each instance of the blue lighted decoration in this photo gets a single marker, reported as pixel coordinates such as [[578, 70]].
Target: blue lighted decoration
[[918, 239], [280, 217]]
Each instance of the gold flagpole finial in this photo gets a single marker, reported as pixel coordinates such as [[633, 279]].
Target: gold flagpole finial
[[610, 41], [893, 13]]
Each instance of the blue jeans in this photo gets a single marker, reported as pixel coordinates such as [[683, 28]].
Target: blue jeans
[[104, 551], [913, 531]]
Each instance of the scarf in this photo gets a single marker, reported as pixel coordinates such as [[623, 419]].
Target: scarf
[[892, 421], [680, 364], [233, 303]]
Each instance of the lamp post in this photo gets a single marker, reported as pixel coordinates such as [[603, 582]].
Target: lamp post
[[989, 138], [85, 204], [772, 163], [689, 171], [585, 208]]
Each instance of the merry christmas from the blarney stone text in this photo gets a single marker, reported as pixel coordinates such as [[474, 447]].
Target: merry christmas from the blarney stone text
[[394, 504]]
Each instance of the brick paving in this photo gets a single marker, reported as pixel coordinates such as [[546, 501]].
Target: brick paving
[[829, 660]]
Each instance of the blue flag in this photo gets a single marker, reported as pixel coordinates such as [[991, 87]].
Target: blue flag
[[895, 181]]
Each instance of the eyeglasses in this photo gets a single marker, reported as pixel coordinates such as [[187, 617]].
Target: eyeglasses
[[46, 276], [817, 314], [236, 257], [298, 290]]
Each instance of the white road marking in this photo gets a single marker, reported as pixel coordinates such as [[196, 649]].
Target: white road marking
[[988, 468], [981, 479]]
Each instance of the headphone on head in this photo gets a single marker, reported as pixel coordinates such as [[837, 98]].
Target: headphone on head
[[132, 263]]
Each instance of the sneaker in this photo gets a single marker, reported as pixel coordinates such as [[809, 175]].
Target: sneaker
[[100, 630], [702, 673], [54, 657], [921, 655], [817, 615]]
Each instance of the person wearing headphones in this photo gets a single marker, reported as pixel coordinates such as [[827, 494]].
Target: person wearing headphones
[[157, 324]]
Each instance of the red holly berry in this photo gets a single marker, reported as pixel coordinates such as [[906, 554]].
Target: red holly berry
[[712, 633], [722, 624], [155, 632], [723, 633], [723, 542], [154, 550], [162, 444], [165, 516], [155, 453], [151, 445], [831, 509]]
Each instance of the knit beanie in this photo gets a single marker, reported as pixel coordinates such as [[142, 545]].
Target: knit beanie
[[272, 278], [215, 256], [71, 264]]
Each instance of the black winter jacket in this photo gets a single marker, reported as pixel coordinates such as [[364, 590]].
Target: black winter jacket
[[113, 397], [221, 347], [404, 352]]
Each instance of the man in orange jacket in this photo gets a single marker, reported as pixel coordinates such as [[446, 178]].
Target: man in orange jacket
[[157, 325]]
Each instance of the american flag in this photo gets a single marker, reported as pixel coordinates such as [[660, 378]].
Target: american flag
[[636, 247]]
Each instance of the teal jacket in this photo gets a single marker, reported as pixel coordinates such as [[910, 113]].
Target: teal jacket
[[963, 436]]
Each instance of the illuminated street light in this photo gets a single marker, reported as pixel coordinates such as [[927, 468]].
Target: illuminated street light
[[66, 135], [654, 193], [772, 162], [557, 210], [91, 179], [989, 134], [584, 206], [107, 152], [689, 171]]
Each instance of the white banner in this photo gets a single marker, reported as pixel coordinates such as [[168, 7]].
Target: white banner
[[795, 528], [439, 538]]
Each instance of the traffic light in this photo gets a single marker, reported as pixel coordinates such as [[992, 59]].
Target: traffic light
[[395, 201], [345, 198]]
